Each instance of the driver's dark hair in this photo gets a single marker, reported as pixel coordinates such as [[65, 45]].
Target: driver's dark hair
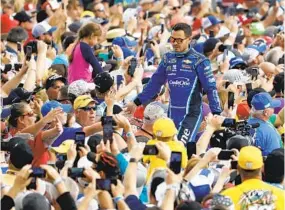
[[183, 27]]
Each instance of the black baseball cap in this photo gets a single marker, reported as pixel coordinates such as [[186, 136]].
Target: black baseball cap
[[21, 154], [103, 82], [210, 44], [17, 95], [52, 79], [22, 17], [238, 142], [274, 165]]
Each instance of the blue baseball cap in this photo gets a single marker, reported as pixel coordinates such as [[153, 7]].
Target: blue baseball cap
[[60, 59], [48, 106], [5, 112], [210, 21], [236, 61], [127, 52], [42, 28], [124, 42], [259, 45], [263, 100]]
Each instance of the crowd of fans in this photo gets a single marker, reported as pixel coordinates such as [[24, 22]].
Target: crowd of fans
[[149, 104]]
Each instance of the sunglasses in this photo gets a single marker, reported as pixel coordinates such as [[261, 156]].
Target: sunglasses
[[88, 109], [175, 8], [177, 40], [29, 114]]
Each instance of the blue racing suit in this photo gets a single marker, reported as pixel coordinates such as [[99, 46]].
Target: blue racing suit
[[187, 74]]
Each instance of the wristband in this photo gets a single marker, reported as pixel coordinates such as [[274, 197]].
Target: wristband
[[120, 59], [173, 187], [137, 102], [68, 163], [118, 198], [57, 181]]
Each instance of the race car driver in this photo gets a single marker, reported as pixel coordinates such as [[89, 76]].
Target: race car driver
[[188, 73]]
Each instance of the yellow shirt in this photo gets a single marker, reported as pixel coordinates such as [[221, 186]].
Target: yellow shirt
[[155, 162], [240, 193]]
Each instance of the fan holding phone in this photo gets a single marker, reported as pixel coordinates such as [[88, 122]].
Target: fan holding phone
[[164, 131]]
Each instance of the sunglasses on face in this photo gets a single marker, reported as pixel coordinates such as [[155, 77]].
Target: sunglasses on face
[[177, 40], [88, 109], [29, 114], [175, 8]]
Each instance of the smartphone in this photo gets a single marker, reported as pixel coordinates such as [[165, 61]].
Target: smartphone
[[229, 123], [105, 184], [175, 162], [62, 157], [33, 184], [38, 172], [108, 129], [79, 139], [76, 172], [231, 99], [5, 146], [132, 67], [150, 150], [248, 87], [227, 84], [225, 54], [17, 66], [29, 53], [213, 35], [162, 28], [234, 164], [225, 154], [19, 47], [119, 80]]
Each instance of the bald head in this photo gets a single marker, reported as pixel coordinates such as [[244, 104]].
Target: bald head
[[268, 68]]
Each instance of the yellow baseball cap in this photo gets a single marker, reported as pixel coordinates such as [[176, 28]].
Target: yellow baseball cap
[[250, 158], [164, 127], [87, 14], [82, 101], [64, 147]]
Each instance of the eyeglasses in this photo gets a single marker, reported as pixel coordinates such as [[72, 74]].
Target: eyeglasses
[[175, 8], [177, 40], [29, 114], [88, 109]]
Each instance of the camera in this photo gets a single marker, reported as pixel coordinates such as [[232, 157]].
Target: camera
[[232, 128], [8, 67]]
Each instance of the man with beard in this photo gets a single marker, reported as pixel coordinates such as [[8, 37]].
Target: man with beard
[[43, 31]]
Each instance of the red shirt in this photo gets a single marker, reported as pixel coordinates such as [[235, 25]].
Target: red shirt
[[40, 152], [41, 155]]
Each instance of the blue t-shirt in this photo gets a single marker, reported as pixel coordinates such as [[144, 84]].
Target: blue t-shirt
[[266, 137], [68, 133]]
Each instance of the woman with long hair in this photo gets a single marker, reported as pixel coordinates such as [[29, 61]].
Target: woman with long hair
[[83, 63]]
